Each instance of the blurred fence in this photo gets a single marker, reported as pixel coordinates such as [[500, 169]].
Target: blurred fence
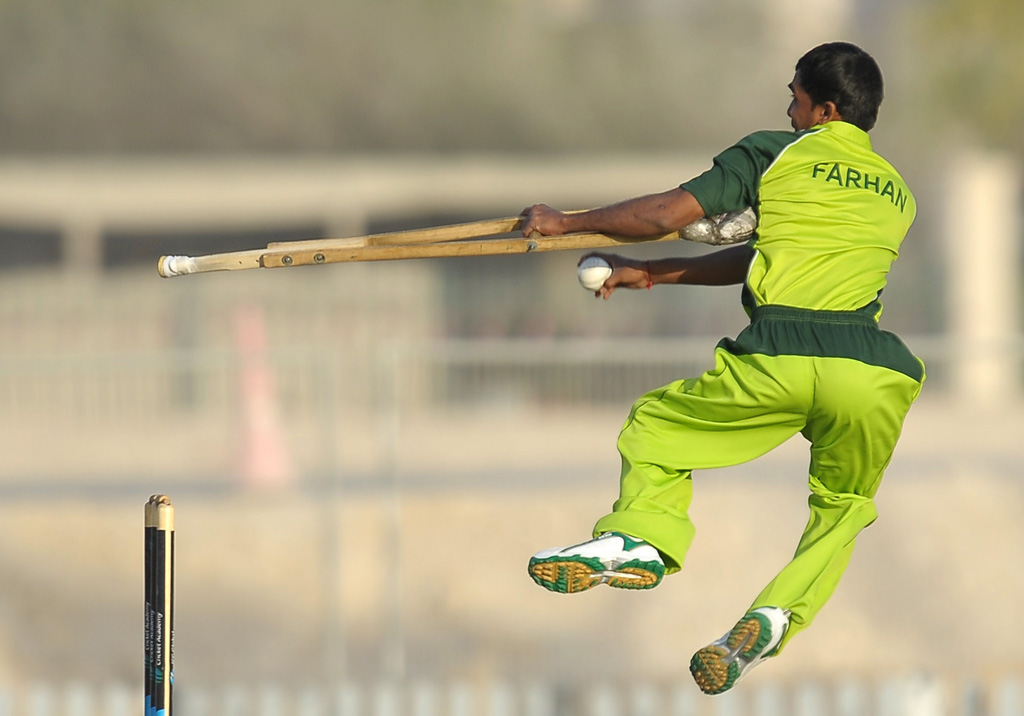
[[305, 381], [319, 410], [577, 373], [910, 696]]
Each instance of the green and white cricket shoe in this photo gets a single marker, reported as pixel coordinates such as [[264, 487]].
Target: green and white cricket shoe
[[718, 666], [614, 559]]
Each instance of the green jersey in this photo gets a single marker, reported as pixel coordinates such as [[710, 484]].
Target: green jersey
[[831, 215]]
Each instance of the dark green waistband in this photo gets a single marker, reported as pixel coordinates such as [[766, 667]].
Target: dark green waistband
[[788, 313], [783, 330]]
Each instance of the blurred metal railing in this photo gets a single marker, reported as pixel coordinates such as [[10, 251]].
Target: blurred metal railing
[[320, 410], [579, 373], [156, 385], [920, 695]]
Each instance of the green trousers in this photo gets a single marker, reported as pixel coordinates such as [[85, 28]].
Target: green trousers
[[849, 404]]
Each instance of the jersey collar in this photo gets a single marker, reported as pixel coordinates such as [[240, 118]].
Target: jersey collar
[[847, 131]]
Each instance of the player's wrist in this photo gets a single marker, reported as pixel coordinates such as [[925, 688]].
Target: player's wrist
[[571, 222]]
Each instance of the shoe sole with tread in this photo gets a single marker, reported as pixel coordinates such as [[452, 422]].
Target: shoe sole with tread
[[716, 668], [578, 574]]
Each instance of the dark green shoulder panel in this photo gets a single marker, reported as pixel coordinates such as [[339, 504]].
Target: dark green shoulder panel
[[732, 183]]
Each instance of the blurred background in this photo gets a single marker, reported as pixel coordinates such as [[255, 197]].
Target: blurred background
[[364, 456]]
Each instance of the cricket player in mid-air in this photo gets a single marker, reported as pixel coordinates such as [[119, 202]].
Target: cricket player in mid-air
[[831, 215]]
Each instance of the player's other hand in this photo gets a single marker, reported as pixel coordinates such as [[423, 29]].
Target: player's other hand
[[626, 273], [542, 219]]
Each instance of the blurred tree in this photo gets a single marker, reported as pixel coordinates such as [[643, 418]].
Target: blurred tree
[[972, 68], [130, 76]]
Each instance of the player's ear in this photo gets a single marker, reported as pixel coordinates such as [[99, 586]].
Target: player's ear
[[829, 112]]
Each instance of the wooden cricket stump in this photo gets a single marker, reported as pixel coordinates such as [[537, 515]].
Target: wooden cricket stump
[[476, 238], [159, 612]]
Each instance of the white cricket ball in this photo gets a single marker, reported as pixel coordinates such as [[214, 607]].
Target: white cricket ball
[[593, 272]]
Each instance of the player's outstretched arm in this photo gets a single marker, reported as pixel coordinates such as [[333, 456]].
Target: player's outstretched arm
[[644, 216], [720, 268]]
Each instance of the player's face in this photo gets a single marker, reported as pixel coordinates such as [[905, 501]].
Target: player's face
[[803, 113]]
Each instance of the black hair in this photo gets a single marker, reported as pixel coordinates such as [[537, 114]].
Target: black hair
[[845, 74]]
